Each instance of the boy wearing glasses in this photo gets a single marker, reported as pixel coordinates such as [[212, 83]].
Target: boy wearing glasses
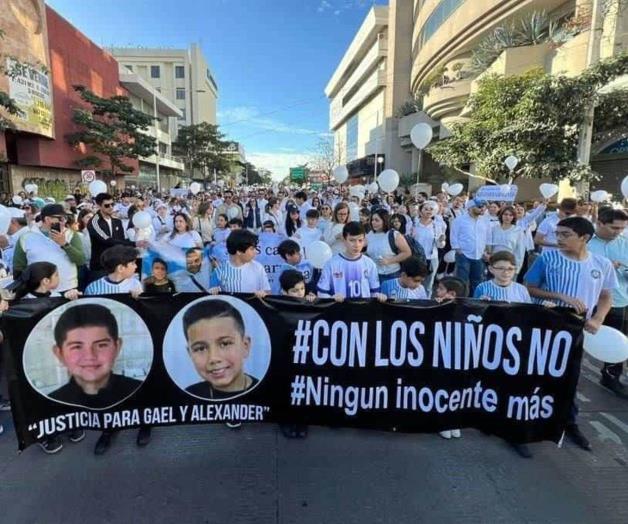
[[502, 266]]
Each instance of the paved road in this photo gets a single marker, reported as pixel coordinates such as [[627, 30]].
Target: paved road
[[207, 474]]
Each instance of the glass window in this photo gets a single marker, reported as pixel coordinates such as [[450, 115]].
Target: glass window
[[438, 17], [154, 72], [180, 93], [352, 138], [129, 67], [179, 72]]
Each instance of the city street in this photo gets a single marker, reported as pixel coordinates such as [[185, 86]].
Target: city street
[[211, 474]]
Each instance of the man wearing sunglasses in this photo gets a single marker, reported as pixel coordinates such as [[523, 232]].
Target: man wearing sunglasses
[[106, 231], [55, 243]]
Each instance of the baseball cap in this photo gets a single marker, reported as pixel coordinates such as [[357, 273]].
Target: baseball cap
[[50, 210], [477, 202]]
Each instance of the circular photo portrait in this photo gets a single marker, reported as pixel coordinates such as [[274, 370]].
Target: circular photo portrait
[[217, 348], [93, 353]]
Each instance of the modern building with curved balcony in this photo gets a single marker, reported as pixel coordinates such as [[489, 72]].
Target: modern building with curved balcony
[[446, 33]]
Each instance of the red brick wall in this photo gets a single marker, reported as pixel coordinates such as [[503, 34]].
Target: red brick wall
[[74, 59]]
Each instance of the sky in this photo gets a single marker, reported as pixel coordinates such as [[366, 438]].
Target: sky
[[270, 58]]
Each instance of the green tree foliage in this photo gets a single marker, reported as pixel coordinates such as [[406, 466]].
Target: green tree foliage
[[536, 117], [113, 130], [202, 146]]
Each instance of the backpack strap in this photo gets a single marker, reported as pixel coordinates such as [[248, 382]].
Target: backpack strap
[[391, 241]]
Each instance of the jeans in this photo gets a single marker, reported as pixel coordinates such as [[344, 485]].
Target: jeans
[[470, 271], [616, 318]]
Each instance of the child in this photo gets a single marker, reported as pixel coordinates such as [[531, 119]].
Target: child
[[309, 232], [241, 274], [502, 265], [235, 223], [218, 345], [408, 286], [39, 280], [450, 288], [293, 285], [350, 274], [159, 282], [290, 251], [120, 264]]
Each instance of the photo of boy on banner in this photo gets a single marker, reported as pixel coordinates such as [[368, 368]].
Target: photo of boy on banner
[[215, 332], [87, 345]]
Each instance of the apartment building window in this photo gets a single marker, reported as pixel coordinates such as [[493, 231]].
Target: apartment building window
[[352, 138], [154, 72], [129, 67], [438, 17], [179, 71], [180, 93]]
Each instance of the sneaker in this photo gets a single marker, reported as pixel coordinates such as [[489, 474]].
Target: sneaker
[[51, 445], [233, 425], [577, 437], [103, 443], [456, 433], [523, 450], [77, 435], [143, 436], [445, 434], [613, 383], [5, 405]]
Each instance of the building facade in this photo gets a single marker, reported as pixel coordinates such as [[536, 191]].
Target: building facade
[[180, 75], [421, 50]]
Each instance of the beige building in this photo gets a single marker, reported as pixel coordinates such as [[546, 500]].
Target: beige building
[[180, 75], [370, 82], [422, 50], [162, 170]]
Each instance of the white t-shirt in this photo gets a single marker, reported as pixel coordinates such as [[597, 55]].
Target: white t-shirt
[[351, 278], [186, 240], [547, 228]]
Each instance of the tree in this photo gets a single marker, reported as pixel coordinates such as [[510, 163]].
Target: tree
[[252, 175], [111, 129], [326, 156], [536, 117], [202, 146]]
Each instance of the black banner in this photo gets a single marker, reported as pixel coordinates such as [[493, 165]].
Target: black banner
[[114, 363]]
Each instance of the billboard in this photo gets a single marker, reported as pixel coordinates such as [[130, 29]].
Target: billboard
[[25, 65]]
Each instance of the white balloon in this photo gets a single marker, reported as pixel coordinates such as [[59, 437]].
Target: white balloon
[[511, 162], [624, 187], [96, 187], [548, 190], [599, 196], [341, 173], [444, 187], [608, 345], [450, 257], [142, 219], [357, 190], [388, 180], [373, 188], [318, 252], [455, 189], [17, 200], [5, 219], [195, 187], [30, 188], [421, 135], [113, 183]]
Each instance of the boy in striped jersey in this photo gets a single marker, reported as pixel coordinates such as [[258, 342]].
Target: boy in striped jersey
[[502, 265], [119, 263], [573, 277], [408, 286], [241, 274], [290, 251], [350, 274]]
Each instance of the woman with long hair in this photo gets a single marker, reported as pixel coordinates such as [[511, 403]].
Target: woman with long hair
[[379, 246], [507, 236], [183, 235], [293, 221], [253, 219], [333, 233], [430, 234], [204, 221]]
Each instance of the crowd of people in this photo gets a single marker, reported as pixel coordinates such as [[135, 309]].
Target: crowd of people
[[398, 246]]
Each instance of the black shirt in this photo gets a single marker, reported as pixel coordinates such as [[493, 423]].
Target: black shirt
[[118, 388], [205, 390], [151, 288]]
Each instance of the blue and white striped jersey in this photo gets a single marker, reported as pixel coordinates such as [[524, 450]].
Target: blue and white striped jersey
[[248, 278], [392, 288], [512, 293], [104, 286]]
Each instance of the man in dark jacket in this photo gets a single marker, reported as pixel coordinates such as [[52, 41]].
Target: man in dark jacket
[[106, 231]]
